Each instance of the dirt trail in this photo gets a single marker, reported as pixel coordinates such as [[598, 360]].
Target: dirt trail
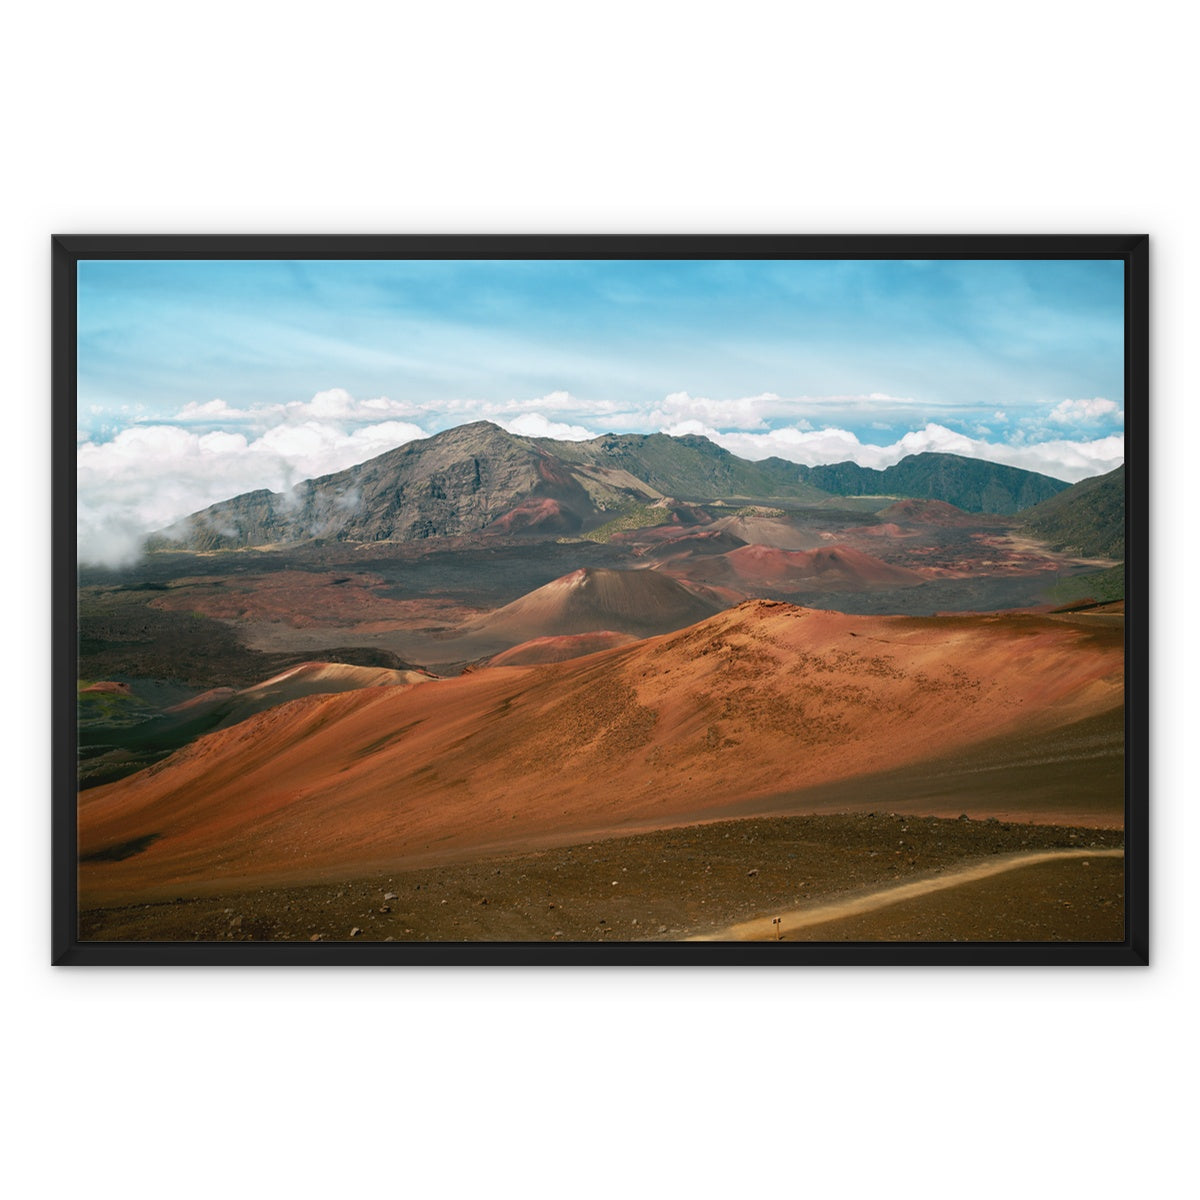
[[764, 928]]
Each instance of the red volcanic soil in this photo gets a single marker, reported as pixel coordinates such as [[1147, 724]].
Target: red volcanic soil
[[538, 514], [311, 678], [829, 567], [558, 649], [203, 701], [931, 512], [304, 679], [599, 599], [760, 701]]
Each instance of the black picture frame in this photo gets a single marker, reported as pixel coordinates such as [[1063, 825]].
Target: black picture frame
[[67, 251]]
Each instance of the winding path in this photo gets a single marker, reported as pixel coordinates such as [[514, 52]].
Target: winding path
[[764, 929]]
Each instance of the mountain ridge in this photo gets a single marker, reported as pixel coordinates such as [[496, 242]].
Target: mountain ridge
[[972, 484], [1088, 518], [477, 478]]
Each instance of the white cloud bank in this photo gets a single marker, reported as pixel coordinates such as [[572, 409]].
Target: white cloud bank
[[537, 426], [151, 475], [761, 412], [1067, 460]]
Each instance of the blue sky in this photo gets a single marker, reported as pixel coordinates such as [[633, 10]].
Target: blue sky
[[957, 338], [233, 375]]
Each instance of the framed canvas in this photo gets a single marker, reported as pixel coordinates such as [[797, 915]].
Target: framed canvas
[[610, 600]]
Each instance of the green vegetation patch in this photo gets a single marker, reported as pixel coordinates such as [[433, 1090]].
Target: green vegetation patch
[[758, 510], [110, 708], [631, 516], [1099, 586]]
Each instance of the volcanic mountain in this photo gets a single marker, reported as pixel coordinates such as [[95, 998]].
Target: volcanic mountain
[[927, 512], [456, 482], [742, 713], [478, 478], [600, 599], [760, 529], [971, 484], [833, 568]]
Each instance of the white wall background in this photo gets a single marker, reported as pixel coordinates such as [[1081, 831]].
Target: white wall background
[[874, 117]]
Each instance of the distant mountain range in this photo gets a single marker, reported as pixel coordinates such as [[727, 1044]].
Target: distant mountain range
[[478, 477], [1088, 518], [968, 483]]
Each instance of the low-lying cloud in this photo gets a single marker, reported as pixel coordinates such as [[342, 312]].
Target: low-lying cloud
[[537, 426], [1069, 460], [150, 475]]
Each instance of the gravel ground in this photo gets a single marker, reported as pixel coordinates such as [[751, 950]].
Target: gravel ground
[[664, 886], [1080, 900]]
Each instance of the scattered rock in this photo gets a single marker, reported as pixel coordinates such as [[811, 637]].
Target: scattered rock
[[317, 937], [752, 872], [355, 931], [390, 896]]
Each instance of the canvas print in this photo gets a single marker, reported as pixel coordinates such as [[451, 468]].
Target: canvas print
[[601, 600]]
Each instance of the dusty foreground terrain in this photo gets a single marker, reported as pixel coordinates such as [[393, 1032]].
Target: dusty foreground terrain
[[681, 883], [767, 708]]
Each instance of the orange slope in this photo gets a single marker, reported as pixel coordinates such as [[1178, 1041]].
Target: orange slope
[[558, 649], [750, 703]]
